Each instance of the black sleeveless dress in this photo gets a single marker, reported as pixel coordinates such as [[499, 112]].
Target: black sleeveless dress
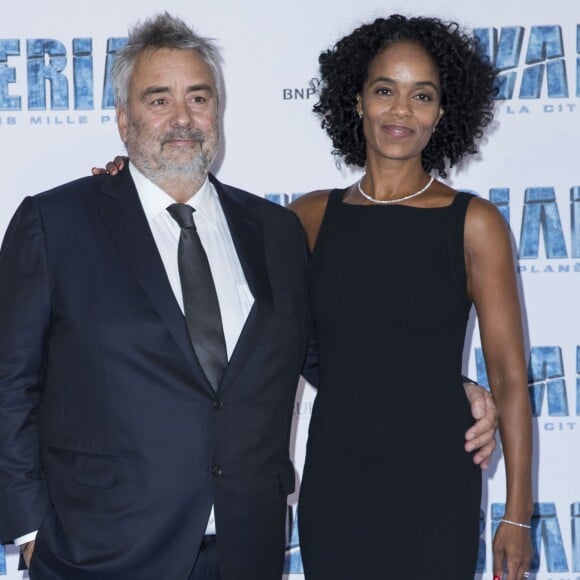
[[388, 491]]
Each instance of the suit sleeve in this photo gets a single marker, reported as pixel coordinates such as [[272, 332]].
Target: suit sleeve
[[24, 327]]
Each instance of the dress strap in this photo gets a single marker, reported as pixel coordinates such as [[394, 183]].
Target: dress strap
[[335, 197], [461, 201], [457, 235], [332, 205]]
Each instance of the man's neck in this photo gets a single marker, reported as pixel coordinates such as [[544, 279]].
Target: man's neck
[[181, 187]]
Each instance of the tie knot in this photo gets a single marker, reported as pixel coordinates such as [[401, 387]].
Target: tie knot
[[182, 214]]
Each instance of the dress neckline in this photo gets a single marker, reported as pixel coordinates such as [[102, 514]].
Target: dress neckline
[[341, 193]]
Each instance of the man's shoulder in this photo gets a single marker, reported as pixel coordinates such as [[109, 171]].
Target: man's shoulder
[[72, 190], [254, 202]]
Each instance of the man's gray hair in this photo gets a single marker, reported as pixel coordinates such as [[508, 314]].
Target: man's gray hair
[[161, 31]]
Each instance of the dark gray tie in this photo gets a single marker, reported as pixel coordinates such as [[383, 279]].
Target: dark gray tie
[[200, 301]]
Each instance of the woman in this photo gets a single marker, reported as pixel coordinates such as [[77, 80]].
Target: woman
[[398, 259]]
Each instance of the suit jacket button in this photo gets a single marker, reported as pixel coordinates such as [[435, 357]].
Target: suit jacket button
[[217, 404], [217, 471]]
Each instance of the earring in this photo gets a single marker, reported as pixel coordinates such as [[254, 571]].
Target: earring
[[360, 115]]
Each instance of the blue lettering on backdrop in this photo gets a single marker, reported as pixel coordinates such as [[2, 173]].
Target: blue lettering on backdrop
[[113, 45], [540, 213], [46, 66], [541, 210], [42, 70], [505, 54], [2, 561], [83, 73], [546, 375], [8, 75], [545, 54], [546, 47], [500, 197]]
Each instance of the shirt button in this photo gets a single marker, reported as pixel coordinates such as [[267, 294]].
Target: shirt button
[[217, 404], [217, 471]]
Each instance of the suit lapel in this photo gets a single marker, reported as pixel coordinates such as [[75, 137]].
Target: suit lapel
[[248, 237], [126, 220]]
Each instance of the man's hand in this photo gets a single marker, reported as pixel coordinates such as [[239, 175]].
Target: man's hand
[[113, 167], [27, 550], [481, 436]]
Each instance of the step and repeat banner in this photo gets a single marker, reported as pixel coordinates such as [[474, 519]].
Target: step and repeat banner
[[57, 121]]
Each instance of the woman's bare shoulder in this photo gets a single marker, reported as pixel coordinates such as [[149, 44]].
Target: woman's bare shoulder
[[310, 202], [482, 214], [485, 228], [310, 209]]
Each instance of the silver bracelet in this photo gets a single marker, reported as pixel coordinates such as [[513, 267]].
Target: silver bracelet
[[516, 524]]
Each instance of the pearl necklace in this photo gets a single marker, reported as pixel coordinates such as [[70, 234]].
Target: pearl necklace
[[397, 200]]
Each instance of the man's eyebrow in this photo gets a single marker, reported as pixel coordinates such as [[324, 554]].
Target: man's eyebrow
[[200, 87], [155, 90]]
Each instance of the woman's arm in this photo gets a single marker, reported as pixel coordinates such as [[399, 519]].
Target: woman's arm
[[493, 289]]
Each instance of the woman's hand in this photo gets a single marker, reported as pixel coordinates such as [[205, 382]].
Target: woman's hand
[[512, 552], [112, 167]]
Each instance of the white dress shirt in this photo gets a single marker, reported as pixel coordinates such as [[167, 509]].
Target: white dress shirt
[[234, 296]]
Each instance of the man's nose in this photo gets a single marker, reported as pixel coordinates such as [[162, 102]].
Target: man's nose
[[182, 115]]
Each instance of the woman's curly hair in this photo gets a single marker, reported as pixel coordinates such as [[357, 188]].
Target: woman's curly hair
[[467, 86]]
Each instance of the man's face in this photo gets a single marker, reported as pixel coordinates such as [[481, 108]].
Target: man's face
[[170, 125]]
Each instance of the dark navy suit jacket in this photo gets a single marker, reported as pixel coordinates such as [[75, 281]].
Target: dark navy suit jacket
[[112, 442]]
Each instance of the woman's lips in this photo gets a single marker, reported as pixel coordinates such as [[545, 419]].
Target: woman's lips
[[397, 131]]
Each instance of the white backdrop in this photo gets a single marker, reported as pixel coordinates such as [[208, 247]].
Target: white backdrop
[[274, 147]]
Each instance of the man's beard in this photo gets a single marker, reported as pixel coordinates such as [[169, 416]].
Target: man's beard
[[149, 155]]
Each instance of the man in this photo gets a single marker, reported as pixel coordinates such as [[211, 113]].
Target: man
[[122, 432]]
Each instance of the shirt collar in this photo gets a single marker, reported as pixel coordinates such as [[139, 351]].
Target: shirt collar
[[155, 201]]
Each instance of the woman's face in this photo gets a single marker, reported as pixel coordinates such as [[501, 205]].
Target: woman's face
[[400, 102]]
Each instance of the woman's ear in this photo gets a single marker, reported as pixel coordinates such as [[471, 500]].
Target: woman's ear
[[359, 106]]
